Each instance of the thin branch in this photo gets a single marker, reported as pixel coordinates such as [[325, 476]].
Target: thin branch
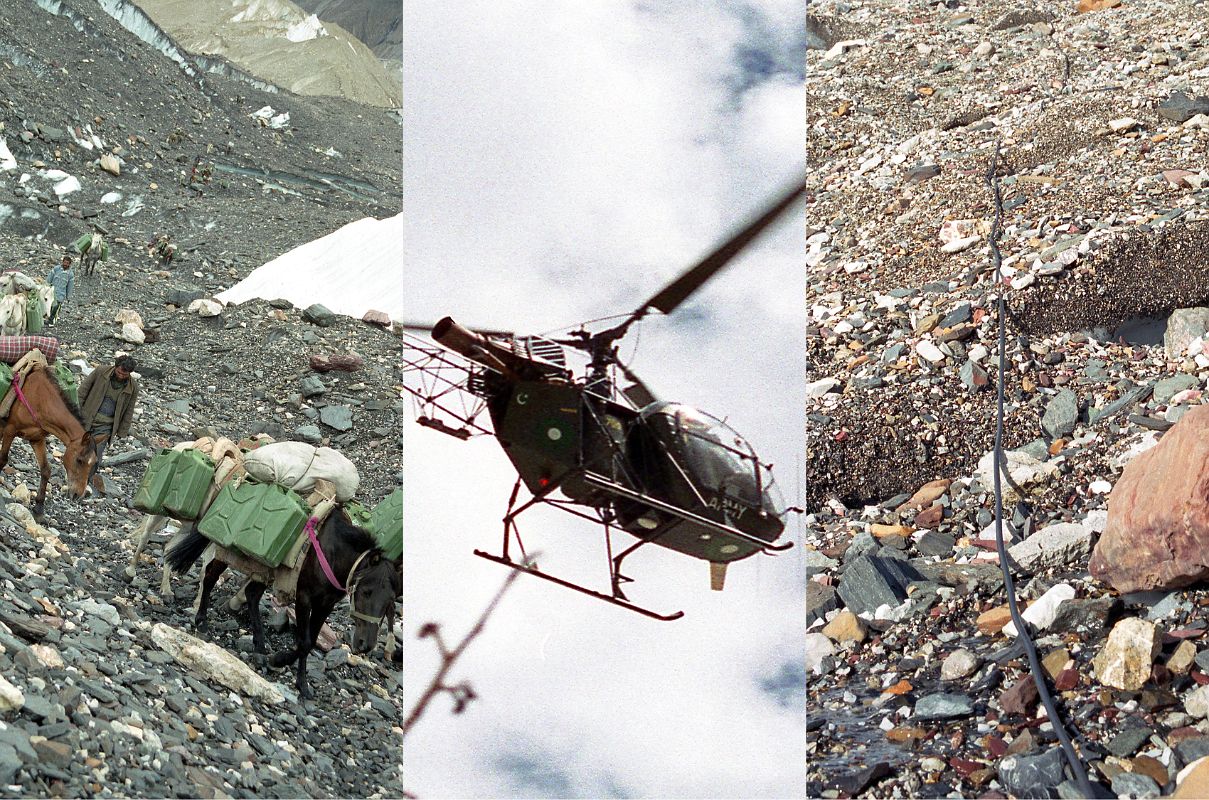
[[461, 692]]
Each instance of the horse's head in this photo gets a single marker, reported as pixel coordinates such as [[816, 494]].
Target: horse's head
[[78, 460], [372, 593]]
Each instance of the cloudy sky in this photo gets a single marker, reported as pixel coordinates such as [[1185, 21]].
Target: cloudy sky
[[562, 161]]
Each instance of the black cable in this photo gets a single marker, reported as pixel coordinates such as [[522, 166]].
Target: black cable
[[1022, 633]]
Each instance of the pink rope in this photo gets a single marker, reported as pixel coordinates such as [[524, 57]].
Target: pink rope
[[327, 568], [24, 402]]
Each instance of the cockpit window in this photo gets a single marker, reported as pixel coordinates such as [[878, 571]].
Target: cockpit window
[[716, 457]]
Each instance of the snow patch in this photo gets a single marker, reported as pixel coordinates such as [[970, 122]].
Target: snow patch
[[309, 28], [7, 161]]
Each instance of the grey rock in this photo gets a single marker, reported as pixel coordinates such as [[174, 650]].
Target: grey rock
[[338, 417], [973, 376], [1167, 388], [921, 173], [1184, 325], [1038, 449], [957, 315], [1127, 742], [284, 305], [870, 581], [311, 386], [943, 705], [817, 563], [179, 406], [10, 762], [935, 543], [862, 544], [1085, 614], [317, 314], [181, 298], [1061, 415], [1134, 784], [1053, 546], [1164, 607], [1190, 750], [1020, 18], [1033, 776], [819, 600], [1181, 108], [309, 434]]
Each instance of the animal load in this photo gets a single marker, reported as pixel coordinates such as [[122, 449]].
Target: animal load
[[261, 520], [13, 348], [298, 465], [175, 484], [67, 382], [24, 303], [386, 525]]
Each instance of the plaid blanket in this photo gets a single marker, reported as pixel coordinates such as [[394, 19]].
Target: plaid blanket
[[13, 347]]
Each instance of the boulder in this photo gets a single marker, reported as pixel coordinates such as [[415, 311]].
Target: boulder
[[205, 307], [1184, 325], [1157, 533], [1025, 470], [132, 333], [873, 581], [318, 314], [1126, 658], [846, 627], [1061, 415], [1053, 546], [110, 164], [1041, 613], [213, 663], [379, 318]]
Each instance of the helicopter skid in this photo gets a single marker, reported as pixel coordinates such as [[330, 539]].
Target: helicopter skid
[[568, 584]]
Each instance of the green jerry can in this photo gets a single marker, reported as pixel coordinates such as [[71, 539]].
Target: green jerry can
[[224, 520], [67, 382], [387, 524], [192, 475], [34, 311], [269, 534], [360, 516], [150, 496]]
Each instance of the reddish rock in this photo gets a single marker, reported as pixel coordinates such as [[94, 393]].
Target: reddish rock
[[1020, 698], [379, 318], [1067, 679], [996, 746], [342, 363], [1180, 734], [930, 517], [992, 622], [1157, 534], [964, 767], [926, 494]]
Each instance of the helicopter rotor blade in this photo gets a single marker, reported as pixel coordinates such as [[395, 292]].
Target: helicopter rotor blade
[[427, 327], [639, 393], [676, 292]]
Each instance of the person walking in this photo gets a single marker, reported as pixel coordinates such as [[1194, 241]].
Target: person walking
[[107, 398], [63, 279]]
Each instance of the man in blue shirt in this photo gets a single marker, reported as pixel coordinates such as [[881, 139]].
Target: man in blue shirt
[[63, 279]]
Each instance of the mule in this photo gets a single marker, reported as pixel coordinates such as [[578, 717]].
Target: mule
[[357, 568], [94, 250], [40, 410]]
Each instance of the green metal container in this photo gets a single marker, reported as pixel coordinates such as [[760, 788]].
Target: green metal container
[[359, 515], [67, 381], [34, 311], [156, 481], [387, 524], [269, 534], [224, 520], [192, 475]]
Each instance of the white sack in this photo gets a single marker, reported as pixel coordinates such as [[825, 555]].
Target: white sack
[[297, 465]]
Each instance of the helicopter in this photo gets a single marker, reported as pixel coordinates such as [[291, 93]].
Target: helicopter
[[667, 474]]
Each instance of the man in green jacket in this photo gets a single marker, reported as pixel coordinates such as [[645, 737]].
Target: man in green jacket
[[107, 398]]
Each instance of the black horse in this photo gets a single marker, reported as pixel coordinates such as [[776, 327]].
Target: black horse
[[371, 581]]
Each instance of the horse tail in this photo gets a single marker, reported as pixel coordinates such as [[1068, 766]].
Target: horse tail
[[185, 549]]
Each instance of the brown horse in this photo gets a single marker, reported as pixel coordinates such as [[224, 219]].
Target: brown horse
[[49, 412]]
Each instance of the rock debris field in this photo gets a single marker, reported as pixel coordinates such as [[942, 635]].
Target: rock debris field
[[97, 698], [1100, 109]]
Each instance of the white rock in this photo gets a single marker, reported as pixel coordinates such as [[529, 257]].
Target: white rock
[[7, 161], [1021, 281], [132, 333], [100, 609], [1053, 546], [205, 308], [929, 352], [954, 229], [67, 186], [1100, 487], [886, 724], [839, 48], [1122, 125], [959, 664], [214, 663], [978, 352], [821, 387], [1125, 660], [129, 315], [957, 245], [1196, 703], [110, 197], [1041, 613], [11, 697], [985, 49], [1023, 469], [1199, 121], [818, 647]]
